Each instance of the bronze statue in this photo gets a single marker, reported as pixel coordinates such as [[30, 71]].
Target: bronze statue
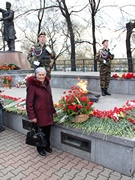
[[9, 30]]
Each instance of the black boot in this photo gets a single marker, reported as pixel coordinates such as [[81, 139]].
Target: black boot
[[103, 91], [41, 151], [48, 149], [106, 92]]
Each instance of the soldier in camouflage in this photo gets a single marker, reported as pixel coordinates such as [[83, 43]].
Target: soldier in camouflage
[[104, 58], [41, 55]]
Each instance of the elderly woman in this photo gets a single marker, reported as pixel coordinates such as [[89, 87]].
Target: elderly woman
[[39, 105]]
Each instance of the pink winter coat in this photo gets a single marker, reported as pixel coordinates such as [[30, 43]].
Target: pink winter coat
[[39, 102]]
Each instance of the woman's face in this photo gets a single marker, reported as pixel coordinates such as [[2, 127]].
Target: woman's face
[[40, 76]]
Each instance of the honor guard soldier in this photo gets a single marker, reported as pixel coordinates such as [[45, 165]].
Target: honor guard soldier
[[41, 55], [104, 58]]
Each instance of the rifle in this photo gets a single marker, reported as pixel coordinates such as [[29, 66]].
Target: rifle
[[44, 55], [109, 56]]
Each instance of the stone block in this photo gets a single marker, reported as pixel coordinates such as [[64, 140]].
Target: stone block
[[117, 86], [14, 57], [112, 152], [13, 121]]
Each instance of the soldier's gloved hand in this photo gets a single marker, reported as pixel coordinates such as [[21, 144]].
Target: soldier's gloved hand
[[104, 61], [36, 63], [49, 49]]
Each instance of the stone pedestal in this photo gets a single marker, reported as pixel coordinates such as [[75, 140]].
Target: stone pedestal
[[14, 57], [65, 80]]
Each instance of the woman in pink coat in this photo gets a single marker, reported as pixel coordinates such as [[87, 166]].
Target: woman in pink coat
[[39, 105]]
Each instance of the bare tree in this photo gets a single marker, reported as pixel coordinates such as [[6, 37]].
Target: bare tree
[[38, 15], [41, 12], [94, 5], [55, 33], [130, 26], [65, 12], [54, 28]]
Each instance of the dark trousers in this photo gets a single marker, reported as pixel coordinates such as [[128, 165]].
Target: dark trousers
[[47, 131]]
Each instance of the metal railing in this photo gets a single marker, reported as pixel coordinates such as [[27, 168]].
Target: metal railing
[[118, 65]]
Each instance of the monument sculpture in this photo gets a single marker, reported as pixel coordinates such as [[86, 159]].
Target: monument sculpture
[[11, 56], [9, 32]]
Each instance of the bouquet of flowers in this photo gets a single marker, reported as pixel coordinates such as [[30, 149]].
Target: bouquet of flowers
[[75, 103], [6, 79], [6, 67]]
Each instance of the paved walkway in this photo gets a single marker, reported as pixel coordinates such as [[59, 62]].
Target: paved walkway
[[19, 161]]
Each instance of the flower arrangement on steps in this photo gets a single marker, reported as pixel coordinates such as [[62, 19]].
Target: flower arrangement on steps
[[7, 67], [128, 75], [116, 122], [76, 105], [6, 81]]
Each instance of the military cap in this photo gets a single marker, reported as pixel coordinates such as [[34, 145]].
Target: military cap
[[41, 33], [104, 41]]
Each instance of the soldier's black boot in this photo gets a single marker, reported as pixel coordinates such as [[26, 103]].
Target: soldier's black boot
[[106, 92], [103, 91]]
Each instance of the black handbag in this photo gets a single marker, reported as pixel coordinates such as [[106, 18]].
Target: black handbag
[[36, 138]]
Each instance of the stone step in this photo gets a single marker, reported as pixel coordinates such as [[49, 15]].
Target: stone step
[[66, 80], [14, 72]]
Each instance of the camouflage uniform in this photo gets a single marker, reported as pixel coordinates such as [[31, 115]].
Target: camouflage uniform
[[104, 58], [40, 55]]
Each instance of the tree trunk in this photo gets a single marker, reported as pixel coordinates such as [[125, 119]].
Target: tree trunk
[[129, 27], [66, 14], [41, 15], [94, 42], [72, 41]]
